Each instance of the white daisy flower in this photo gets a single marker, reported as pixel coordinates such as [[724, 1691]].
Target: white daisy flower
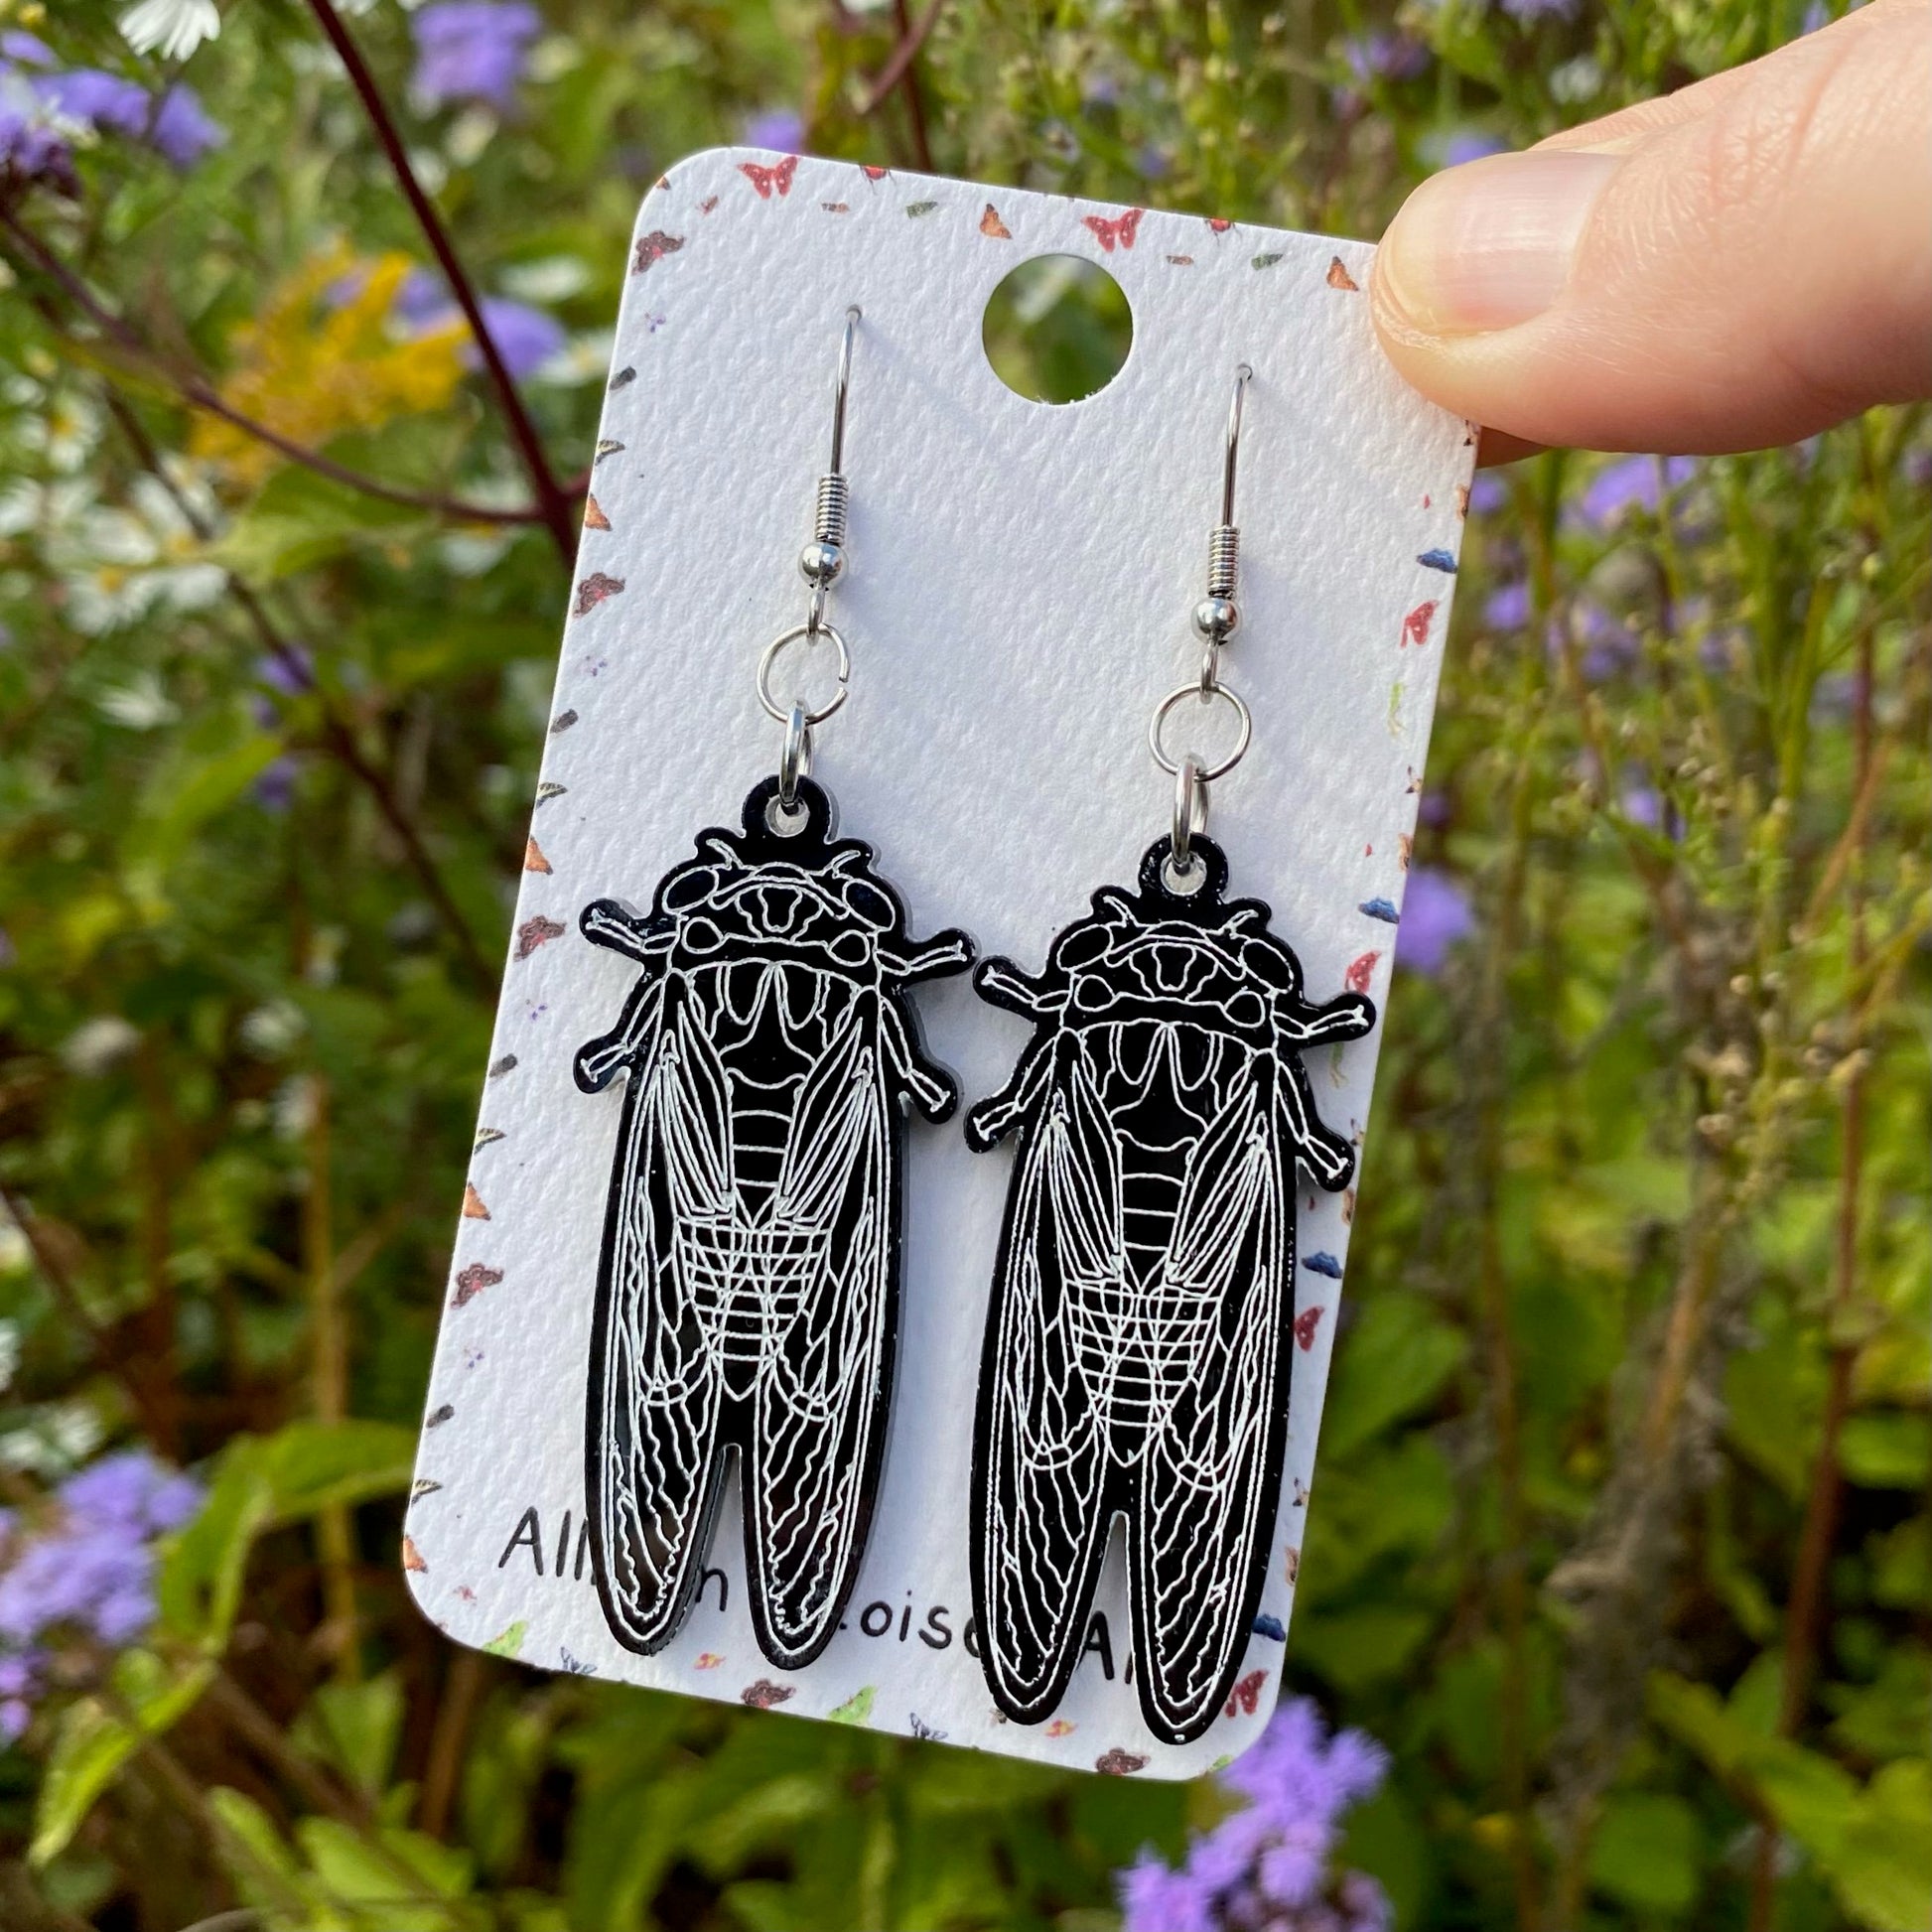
[[173, 29]]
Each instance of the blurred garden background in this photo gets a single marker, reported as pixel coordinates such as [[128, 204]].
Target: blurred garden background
[[1623, 1546]]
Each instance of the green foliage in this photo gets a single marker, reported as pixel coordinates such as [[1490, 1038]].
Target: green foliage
[[1644, 1241]]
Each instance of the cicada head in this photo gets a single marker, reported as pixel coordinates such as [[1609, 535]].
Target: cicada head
[[725, 904]]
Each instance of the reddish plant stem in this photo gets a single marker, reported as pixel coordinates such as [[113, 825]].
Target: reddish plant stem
[[899, 62], [553, 507], [463, 1686], [199, 393], [907, 56], [1804, 1617]]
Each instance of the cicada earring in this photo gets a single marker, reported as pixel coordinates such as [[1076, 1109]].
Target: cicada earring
[[1137, 1352], [747, 1290]]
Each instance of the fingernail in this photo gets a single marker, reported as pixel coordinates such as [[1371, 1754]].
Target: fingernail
[[1489, 244]]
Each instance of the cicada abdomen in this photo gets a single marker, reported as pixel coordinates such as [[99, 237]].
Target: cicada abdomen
[[748, 1284], [1137, 1352]]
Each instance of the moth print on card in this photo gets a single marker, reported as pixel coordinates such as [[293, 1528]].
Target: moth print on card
[[748, 1291], [1137, 1347]]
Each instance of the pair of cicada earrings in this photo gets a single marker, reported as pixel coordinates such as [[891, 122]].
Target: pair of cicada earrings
[[1136, 1347]]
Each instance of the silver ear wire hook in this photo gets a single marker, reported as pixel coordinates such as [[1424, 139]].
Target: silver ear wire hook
[[1216, 619], [821, 563]]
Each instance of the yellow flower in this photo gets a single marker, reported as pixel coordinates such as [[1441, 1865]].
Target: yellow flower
[[311, 371]]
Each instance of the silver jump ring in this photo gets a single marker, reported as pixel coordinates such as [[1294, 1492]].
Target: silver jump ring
[[781, 712], [1189, 811], [1213, 771], [795, 761], [1210, 670]]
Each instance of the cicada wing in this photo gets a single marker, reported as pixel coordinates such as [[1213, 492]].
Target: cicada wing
[[652, 1439], [820, 1400], [1199, 1533], [1040, 1441]]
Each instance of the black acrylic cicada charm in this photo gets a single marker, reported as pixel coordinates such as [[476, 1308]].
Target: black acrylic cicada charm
[[747, 1294], [1136, 1347]]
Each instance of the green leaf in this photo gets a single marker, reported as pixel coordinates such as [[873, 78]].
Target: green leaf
[[189, 793], [93, 1742], [1647, 1852], [1395, 1361], [1357, 1648], [264, 1481], [356, 1727], [257, 1851], [1887, 1450], [314, 1465], [1884, 1870]]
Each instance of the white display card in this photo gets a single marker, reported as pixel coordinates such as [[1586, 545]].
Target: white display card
[[1018, 599]]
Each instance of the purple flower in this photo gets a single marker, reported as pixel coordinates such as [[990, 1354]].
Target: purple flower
[[471, 50], [182, 130], [1155, 1900], [777, 128], [1607, 645], [275, 784], [91, 1566], [32, 152], [525, 338], [1531, 11], [27, 48], [1508, 606], [291, 671], [102, 101], [1436, 914], [420, 297], [1487, 493], [1465, 144], [176, 125], [1643, 807], [1266, 1865], [1630, 482], [131, 1491], [1383, 56]]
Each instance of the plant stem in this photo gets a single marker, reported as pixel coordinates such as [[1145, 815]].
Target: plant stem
[[199, 393], [270, 1740], [335, 1532], [1805, 1613], [899, 62], [1512, 1580], [463, 1686], [907, 56], [552, 507]]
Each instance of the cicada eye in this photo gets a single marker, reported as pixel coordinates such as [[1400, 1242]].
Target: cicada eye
[[1081, 946], [868, 905], [701, 935], [1247, 1008], [684, 889], [1091, 994], [851, 948], [1272, 966]]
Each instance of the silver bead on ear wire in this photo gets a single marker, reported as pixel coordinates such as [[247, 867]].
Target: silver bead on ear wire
[[821, 563], [1216, 619]]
